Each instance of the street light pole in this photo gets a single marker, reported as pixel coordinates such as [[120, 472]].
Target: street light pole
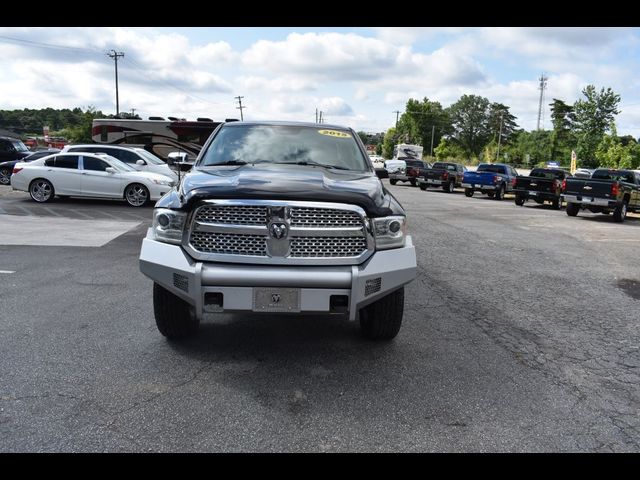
[[499, 139], [115, 56]]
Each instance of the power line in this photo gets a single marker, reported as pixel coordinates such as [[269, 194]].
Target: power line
[[240, 107], [50, 45]]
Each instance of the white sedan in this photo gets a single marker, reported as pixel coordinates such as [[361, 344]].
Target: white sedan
[[88, 175]]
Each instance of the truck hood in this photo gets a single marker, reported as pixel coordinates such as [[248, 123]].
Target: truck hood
[[286, 182]]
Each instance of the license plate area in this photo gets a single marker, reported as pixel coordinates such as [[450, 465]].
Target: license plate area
[[274, 299]]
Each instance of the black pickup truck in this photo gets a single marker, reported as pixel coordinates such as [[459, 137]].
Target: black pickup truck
[[296, 222], [542, 184], [442, 174], [607, 191]]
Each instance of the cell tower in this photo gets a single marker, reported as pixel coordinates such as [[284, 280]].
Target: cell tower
[[543, 85]]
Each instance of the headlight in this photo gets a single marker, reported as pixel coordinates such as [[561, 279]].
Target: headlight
[[167, 182], [390, 232], [168, 225]]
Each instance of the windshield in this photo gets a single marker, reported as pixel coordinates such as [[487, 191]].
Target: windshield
[[621, 175], [444, 166], [19, 146], [118, 164], [149, 157], [543, 173], [242, 144], [490, 168]]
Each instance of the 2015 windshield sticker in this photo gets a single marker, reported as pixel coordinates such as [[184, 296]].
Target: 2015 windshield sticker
[[334, 133]]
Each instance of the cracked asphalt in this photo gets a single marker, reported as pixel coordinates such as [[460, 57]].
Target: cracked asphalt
[[520, 335]]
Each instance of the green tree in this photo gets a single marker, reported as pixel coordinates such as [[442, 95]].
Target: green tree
[[423, 120], [500, 120], [449, 150], [470, 122], [612, 153], [389, 142], [593, 116], [563, 139]]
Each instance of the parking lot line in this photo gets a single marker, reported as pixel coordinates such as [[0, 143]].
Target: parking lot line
[[7, 271]]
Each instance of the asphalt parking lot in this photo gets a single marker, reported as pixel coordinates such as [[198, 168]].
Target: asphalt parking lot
[[521, 333]]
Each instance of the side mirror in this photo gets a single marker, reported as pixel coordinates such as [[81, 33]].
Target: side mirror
[[141, 162], [110, 170]]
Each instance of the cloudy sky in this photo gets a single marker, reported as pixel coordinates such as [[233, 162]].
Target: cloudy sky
[[356, 76]]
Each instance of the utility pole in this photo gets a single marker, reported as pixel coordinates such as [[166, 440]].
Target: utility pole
[[133, 112], [433, 130], [240, 107], [543, 85], [499, 139], [320, 121], [115, 56], [316, 115], [397, 112]]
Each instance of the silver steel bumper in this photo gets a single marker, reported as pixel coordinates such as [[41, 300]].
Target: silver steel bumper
[[599, 202], [384, 272]]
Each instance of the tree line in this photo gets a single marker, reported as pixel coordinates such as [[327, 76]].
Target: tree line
[[474, 130], [72, 124]]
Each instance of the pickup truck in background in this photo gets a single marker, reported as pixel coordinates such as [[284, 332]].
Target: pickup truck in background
[[443, 174], [493, 179], [410, 173], [607, 191], [542, 184]]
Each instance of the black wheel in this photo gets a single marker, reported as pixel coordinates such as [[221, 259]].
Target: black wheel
[[620, 213], [5, 176], [519, 200], [468, 192], [382, 319], [452, 187], [412, 182], [573, 209], [393, 182], [423, 186], [41, 190], [136, 195], [174, 317], [491, 194], [500, 193], [557, 203]]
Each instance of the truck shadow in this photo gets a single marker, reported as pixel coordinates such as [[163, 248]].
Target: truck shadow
[[631, 219]]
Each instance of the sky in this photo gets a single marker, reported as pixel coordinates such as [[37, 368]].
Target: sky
[[358, 77]]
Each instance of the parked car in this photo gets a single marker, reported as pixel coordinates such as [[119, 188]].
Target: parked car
[[377, 161], [11, 149], [88, 175], [409, 173], [136, 157], [6, 168], [394, 165], [443, 174], [492, 179], [542, 184], [583, 173], [607, 191]]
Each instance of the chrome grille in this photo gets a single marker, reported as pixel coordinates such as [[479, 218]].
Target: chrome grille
[[240, 231], [324, 217], [327, 246], [233, 214], [231, 244]]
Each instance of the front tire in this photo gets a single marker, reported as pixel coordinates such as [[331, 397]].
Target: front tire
[[174, 317], [557, 204], [468, 192], [5, 176], [500, 193], [423, 186], [519, 201], [573, 209], [41, 190], [412, 182], [393, 182], [136, 195], [382, 319]]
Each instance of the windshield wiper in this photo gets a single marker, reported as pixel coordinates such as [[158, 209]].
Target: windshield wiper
[[229, 162], [315, 164]]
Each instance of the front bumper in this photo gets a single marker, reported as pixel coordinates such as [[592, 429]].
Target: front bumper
[[191, 280], [400, 177]]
